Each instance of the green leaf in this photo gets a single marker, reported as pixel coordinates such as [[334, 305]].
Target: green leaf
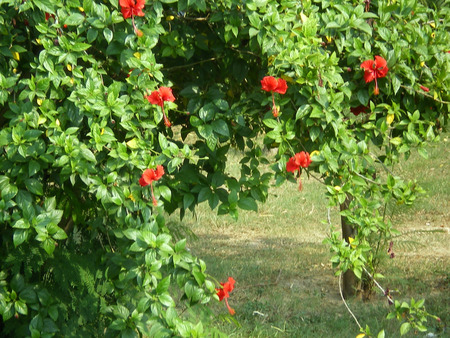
[[180, 245], [248, 203], [75, 19], [88, 155], [49, 246], [22, 224], [199, 276], [21, 307], [92, 35], [404, 329], [31, 135], [165, 192], [396, 140], [118, 325], [80, 46], [163, 285], [381, 334], [17, 283], [363, 96], [188, 199], [8, 191], [314, 133], [60, 234], [45, 5], [108, 34], [220, 127], [302, 111], [19, 236], [396, 83], [33, 167], [204, 194], [207, 112], [8, 311], [271, 123]]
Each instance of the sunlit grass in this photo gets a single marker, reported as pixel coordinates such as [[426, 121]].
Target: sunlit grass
[[285, 286]]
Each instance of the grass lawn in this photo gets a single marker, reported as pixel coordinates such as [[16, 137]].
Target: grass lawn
[[285, 286]]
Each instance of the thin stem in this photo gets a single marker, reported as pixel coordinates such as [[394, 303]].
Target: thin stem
[[383, 165], [379, 286], [365, 178], [317, 179], [345, 303], [193, 63], [425, 94], [187, 18]]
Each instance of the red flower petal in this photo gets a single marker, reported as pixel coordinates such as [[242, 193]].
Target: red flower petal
[[303, 159], [166, 94], [131, 8], [229, 286], [142, 182], [292, 166], [159, 172], [139, 6], [231, 310], [381, 66], [425, 89], [369, 73], [222, 294], [226, 288], [281, 86], [149, 176], [269, 83], [155, 98]]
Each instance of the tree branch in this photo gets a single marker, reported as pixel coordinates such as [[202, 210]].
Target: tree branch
[[425, 94]]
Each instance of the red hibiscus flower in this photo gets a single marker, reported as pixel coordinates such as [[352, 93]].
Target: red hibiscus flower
[[425, 89], [149, 176], [273, 85], [163, 94], [224, 293], [358, 110], [131, 8], [298, 161], [374, 70], [155, 98]]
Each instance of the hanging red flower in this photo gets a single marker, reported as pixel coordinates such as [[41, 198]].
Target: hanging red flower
[[163, 94], [223, 292], [374, 70], [273, 85], [131, 8], [298, 161], [149, 176]]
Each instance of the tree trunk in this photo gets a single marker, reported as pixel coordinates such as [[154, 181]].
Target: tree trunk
[[350, 282]]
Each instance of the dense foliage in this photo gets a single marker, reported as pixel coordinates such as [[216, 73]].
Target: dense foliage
[[83, 248]]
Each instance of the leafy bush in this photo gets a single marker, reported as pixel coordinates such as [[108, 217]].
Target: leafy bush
[[83, 248]]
